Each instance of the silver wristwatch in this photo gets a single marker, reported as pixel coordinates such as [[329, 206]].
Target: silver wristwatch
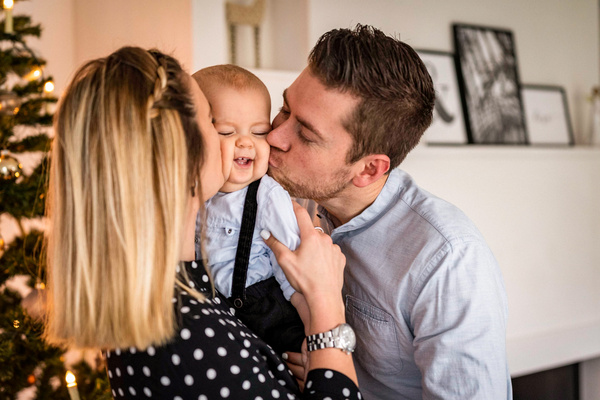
[[341, 337]]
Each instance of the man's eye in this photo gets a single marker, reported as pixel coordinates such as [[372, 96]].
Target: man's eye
[[302, 137], [283, 111], [225, 133]]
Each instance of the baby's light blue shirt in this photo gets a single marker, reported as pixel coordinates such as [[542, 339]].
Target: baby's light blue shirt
[[222, 228]]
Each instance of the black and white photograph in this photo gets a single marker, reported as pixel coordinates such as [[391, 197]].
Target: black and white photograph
[[547, 115], [448, 126], [488, 75]]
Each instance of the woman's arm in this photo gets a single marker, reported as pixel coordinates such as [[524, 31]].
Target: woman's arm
[[315, 269]]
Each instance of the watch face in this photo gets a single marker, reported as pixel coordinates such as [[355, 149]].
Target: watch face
[[347, 337]]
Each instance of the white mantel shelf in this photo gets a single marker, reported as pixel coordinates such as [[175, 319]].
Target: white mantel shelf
[[547, 350], [511, 150]]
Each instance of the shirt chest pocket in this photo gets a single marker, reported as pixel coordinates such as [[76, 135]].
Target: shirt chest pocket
[[377, 348], [221, 243]]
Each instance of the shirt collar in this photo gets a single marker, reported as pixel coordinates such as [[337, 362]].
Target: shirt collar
[[386, 197]]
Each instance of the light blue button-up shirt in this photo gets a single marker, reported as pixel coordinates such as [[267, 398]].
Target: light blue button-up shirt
[[426, 298], [222, 228]]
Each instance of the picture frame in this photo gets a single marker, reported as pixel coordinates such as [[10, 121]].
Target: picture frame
[[448, 125], [488, 76], [547, 115]]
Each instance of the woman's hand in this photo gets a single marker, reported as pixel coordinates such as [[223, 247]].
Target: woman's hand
[[316, 267]]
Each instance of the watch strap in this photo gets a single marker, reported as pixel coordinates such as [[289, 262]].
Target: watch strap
[[320, 341], [341, 337]]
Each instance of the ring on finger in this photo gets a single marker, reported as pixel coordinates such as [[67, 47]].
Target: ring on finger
[[318, 228]]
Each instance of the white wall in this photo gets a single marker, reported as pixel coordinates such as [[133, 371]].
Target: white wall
[[56, 44], [103, 26], [75, 31]]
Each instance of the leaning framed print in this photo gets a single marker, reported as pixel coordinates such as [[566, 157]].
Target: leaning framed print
[[448, 126], [490, 87], [547, 115]]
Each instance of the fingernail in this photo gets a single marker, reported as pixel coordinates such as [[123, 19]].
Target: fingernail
[[265, 234], [284, 356]]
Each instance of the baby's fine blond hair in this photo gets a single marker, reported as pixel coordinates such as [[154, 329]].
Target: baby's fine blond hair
[[211, 79]]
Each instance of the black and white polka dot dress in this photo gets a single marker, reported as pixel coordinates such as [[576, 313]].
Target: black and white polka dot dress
[[214, 356]]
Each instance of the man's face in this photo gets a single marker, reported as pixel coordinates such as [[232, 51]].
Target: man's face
[[309, 143]]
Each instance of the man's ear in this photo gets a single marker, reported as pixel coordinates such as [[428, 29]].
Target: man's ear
[[372, 167]]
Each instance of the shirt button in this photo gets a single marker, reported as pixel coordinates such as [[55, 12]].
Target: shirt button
[[229, 231]]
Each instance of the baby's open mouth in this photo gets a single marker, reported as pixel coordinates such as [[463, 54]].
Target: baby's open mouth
[[243, 161]]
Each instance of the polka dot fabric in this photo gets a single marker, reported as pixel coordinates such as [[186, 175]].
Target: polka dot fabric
[[214, 356]]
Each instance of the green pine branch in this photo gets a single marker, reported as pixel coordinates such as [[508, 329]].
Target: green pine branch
[[22, 28], [39, 142], [21, 349], [24, 257], [32, 87], [25, 199]]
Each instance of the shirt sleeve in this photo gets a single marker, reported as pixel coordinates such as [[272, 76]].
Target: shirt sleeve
[[327, 384], [277, 216], [459, 321]]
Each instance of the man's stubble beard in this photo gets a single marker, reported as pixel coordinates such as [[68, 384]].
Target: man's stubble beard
[[315, 189]]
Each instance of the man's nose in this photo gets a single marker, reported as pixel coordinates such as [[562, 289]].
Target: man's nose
[[278, 137]]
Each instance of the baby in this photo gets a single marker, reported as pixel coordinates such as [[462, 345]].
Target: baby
[[244, 269]]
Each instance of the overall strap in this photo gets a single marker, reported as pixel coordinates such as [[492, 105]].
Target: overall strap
[[242, 256]]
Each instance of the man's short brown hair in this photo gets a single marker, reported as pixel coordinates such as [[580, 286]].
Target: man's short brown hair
[[394, 88]]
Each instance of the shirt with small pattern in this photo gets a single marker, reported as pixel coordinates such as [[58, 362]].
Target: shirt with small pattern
[[214, 356]]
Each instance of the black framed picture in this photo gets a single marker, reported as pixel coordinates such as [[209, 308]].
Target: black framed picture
[[547, 115], [490, 87], [448, 126]]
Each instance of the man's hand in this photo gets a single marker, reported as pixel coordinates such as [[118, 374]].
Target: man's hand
[[298, 364]]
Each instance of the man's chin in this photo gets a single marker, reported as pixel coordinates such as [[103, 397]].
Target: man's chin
[[276, 174]]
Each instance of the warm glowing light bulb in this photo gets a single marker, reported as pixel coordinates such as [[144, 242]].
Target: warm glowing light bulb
[[72, 386], [8, 17], [37, 72], [70, 378], [49, 87]]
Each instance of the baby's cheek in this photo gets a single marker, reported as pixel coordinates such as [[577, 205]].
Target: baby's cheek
[[226, 157], [262, 158], [226, 148]]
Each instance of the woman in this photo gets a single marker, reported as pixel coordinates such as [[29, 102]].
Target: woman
[[135, 155]]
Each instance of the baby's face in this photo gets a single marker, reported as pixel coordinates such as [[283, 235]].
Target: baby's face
[[242, 119]]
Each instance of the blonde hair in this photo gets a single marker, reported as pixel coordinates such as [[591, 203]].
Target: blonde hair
[[126, 152], [210, 79]]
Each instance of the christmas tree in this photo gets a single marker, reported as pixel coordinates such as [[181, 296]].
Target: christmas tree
[[27, 363]]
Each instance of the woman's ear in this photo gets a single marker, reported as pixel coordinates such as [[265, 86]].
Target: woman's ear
[[372, 167]]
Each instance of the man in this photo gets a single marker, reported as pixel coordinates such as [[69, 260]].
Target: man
[[422, 289]]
